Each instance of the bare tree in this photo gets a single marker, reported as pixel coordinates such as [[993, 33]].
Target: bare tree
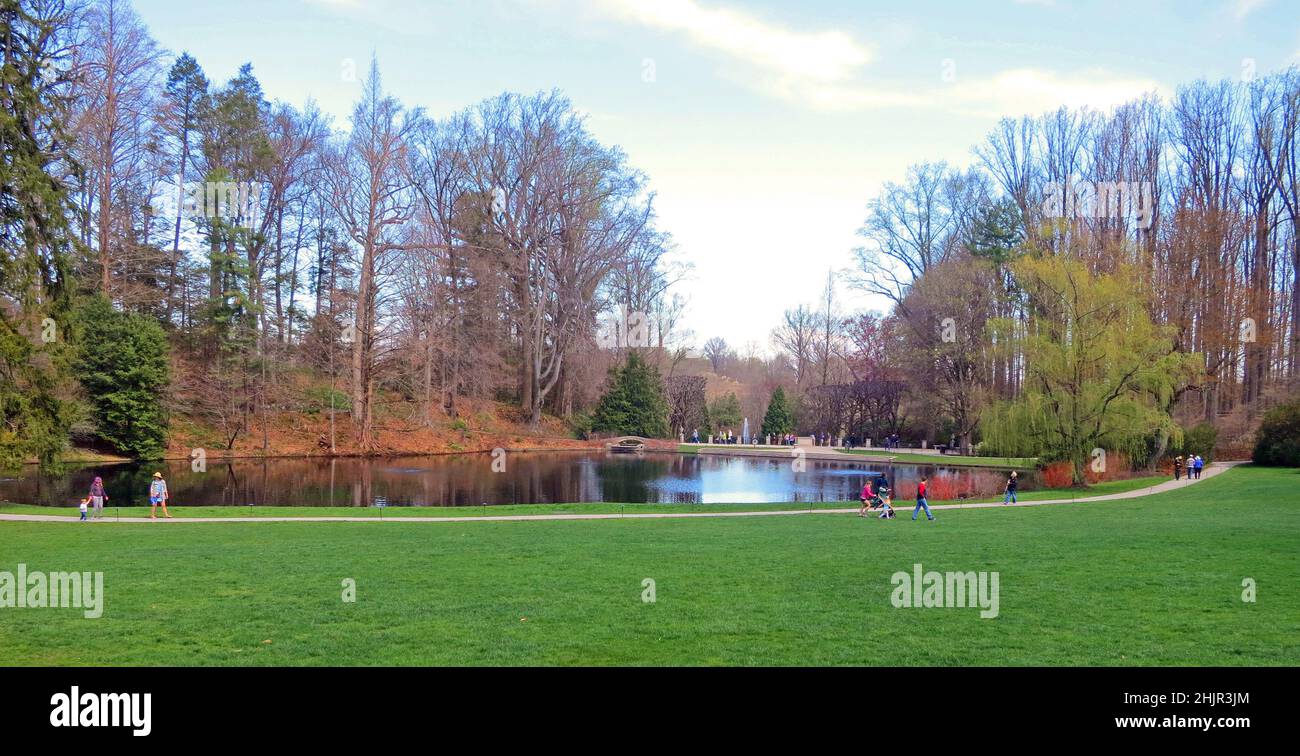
[[371, 193], [717, 351]]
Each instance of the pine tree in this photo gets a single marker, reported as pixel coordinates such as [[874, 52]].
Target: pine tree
[[724, 414], [778, 419], [122, 364], [34, 231], [634, 405]]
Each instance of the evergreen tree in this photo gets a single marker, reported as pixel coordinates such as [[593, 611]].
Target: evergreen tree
[[997, 233], [634, 405], [34, 230], [122, 364], [187, 93], [778, 419], [725, 414]]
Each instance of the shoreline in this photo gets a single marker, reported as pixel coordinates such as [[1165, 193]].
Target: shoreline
[[572, 510], [849, 508]]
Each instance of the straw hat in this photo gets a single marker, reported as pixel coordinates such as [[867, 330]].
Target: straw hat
[[157, 475]]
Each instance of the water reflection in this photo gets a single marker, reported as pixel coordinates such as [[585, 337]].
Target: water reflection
[[528, 478]]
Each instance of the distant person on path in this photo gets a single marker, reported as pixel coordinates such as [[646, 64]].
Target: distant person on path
[[84, 502], [1010, 496], [695, 436], [97, 496], [158, 495], [1199, 464], [1178, 466], [921, 503]]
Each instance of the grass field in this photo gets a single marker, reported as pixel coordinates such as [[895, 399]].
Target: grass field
[[111, 512], [1023, 463], [1149, 581], [949, 460]]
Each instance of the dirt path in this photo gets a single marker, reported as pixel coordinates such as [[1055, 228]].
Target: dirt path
[[1169, 485]]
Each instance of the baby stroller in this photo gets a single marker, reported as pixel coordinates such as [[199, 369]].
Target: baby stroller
[[881, 501]]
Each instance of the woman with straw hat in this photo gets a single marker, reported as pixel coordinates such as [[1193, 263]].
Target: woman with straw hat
[[158, 495]]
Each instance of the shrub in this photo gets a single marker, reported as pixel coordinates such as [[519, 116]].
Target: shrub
[[318, 400], [580, 424], [1278, 442], [1200, 439], [1058, 475]]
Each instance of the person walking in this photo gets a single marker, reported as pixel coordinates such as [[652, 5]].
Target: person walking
[[921, 503], [867, 494], [1010, 496], [1200, 463], [98, 496], [1178, 466], [158, 495]]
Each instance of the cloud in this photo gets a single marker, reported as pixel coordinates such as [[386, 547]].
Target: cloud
[[816, 68], [1033, 91], [1243, 8], [821, 56], [828, 70]]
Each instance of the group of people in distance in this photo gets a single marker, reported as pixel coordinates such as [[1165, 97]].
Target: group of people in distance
[[95, 499], [725, 436], [876, 494], [1192, 465]]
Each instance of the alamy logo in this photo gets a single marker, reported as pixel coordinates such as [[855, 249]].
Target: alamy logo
[[77, 709], [946, 590], [237, 202], [624, 329], [39, 590], [1100, 199]]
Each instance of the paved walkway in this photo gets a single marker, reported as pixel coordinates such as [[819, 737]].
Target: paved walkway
[[1169, 485]]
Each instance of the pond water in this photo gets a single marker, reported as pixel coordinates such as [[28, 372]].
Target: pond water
[[528, 478]]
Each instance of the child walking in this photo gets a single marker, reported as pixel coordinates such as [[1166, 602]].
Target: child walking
[[921, 503], [1010, 497], [85, 503]]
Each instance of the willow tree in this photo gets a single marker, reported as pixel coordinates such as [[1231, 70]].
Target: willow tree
[[1097, 369]]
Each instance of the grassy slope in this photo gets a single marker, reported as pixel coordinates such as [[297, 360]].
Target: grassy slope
[[1147, 581], [110, 512]]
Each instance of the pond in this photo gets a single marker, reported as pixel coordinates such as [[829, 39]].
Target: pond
[[527, 478]]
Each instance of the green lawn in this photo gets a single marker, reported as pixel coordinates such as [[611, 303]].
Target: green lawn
[[1023, 463], [1155, 580], [949, 460], [111, 512]]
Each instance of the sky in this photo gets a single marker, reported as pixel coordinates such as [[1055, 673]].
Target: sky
[[764, 127]]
